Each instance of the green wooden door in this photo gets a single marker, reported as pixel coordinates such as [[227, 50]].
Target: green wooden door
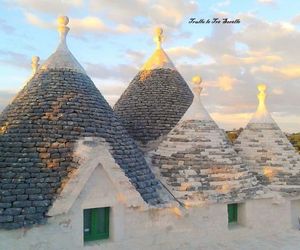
[[96, 223], [232, 210]]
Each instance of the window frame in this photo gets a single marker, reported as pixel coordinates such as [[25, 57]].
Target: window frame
[[94, 222]]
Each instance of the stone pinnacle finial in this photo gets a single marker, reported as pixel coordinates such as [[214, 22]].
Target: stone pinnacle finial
[[63, 29], [35, 64], [158, 37], [197, 80], [261, 96]]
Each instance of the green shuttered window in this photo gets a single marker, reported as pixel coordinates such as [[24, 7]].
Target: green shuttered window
[[232, 210], [96, 223]]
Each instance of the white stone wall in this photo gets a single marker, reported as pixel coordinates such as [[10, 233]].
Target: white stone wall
[[152, 228]]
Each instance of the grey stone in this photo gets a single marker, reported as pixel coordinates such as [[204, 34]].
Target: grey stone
[[37, 134]]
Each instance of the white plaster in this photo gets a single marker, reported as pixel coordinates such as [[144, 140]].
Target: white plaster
[[62, 58], [262, 118], [196, 111], [92, 158], [199, 227]]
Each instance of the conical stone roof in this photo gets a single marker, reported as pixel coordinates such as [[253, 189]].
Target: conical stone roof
[[267, 150], [155, 99], [38, 132], [197, 162]]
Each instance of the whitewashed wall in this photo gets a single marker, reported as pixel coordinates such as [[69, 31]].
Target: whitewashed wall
[[133, 225]]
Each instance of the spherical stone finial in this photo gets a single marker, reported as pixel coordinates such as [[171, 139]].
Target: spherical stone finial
[[62, 20], [35, 63], [35, 59], [261, 87], [158, 36], [63, 29], [261, 96], [158, 31], [196, 79]]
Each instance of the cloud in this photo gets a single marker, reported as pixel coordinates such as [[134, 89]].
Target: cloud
[[55, 7], [123, 28], [78, 25], [122, 72], [277, 91], [171, 13], [5, 98], [183, 52], [15, 59], [121, 16], [230, 121], [89, 25], [278, 38], [226, 82], [158, 12], [224, 3], [267, 2], [259, 51], [296, 20], [36, 21], [286, 72], [6, 27], [136, 57], [250, 57]]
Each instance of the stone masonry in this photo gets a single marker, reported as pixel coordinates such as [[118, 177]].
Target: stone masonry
[[198, 162], [153, 103], [38, 132], [269, 154], [267, 150]]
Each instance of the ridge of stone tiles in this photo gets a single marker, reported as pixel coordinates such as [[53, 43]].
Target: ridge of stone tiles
[[197, 161], [267, 150]]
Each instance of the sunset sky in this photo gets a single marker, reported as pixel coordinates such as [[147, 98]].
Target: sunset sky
[[112, 39]]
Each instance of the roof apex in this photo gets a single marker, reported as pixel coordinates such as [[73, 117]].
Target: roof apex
[[262, 114], [196, 111], [159, 58], [62, 58]]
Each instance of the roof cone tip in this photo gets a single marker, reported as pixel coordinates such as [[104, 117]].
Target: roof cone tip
[[62, 20], [261, 115], [261, 96], [197, 80], [63, 29], [261, 87], [158, 36], [62, 58], [35, 63]]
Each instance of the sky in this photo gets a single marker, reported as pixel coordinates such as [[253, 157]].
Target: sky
[[113, 38]]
